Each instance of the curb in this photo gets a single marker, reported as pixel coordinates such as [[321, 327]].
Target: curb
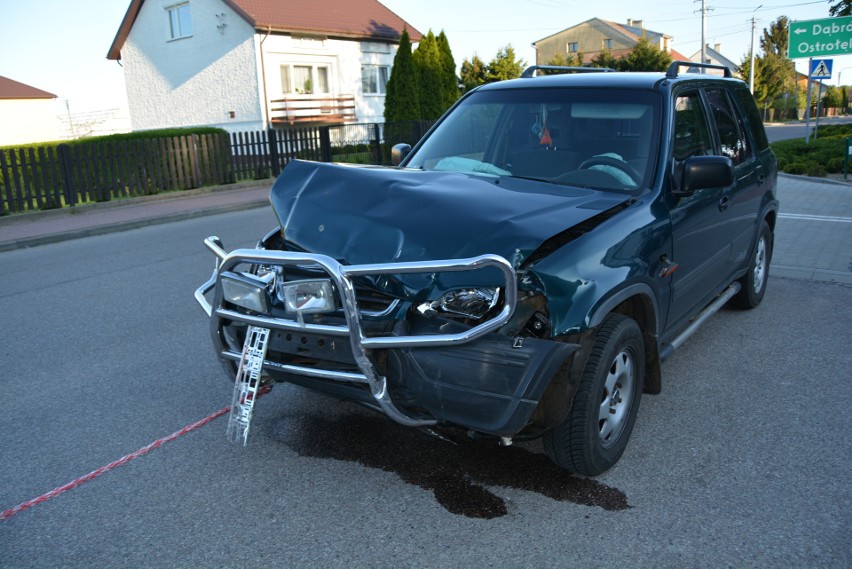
[[84, 209], [816, 180], [126, 225]]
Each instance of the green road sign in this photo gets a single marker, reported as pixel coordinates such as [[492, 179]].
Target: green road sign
[[818, 38]]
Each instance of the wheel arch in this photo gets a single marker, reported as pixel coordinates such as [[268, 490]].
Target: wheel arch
[[637, 301]]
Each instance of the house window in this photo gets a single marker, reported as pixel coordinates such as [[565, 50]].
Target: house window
[[180, 21], [374, 79], [374, 47], [607, 43], [304, 79], [308, 42], [573, 47]]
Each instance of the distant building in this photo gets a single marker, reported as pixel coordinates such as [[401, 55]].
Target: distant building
[[27, 114], [714, 55], [254, 64], [591, 37]]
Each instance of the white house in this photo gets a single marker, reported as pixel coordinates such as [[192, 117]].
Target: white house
[[254, 64], [27, 114]]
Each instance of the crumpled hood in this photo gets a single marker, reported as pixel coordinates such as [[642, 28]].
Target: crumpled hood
[[363, 215]]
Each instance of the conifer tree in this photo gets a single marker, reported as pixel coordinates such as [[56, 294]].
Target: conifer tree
[[402, 93], [450, 82], [504, 66], [473, 73], [427, 60]]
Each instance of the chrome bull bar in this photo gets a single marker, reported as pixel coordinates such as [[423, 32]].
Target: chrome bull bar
[[342, 276]]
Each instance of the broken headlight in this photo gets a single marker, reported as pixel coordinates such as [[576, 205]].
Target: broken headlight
[[468, 302]]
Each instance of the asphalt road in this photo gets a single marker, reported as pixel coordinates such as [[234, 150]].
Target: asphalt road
[[783, 131], [742, 460]]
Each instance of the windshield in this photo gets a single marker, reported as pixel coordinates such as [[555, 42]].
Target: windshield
[[605, 139]]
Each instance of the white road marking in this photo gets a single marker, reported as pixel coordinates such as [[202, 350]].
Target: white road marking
[[815, 217]]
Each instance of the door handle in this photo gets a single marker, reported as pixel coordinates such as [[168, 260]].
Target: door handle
[[724, 203]]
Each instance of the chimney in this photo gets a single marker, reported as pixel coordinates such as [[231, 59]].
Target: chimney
[[718, 48], [635, 23]]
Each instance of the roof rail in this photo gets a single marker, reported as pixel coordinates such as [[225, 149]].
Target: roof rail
[[671, 73], [530, 71]]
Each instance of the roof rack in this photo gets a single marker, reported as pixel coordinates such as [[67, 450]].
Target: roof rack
[[671, 73], [530, 71]]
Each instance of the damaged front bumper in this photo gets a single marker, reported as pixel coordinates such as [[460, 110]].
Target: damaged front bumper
[[419, 372]]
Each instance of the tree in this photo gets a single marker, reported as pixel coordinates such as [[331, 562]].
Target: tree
[[842, 8], [504, 66], [774, 74], [560, 60], [833, 98], [774, 38], [402, 92], [605, 59], [427, 60], [645, 57], [449, 81], [473, 73]]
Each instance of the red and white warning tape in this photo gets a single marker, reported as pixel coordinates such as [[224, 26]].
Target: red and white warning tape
[[6, 514]]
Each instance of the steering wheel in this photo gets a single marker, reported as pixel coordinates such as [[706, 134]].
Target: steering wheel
[[615, 163]]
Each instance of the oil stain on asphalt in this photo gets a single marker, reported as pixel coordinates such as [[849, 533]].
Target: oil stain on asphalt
[[456, 471]]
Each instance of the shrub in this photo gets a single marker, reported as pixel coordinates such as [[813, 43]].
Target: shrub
[[835, 165], [795, 154], [815, 169]]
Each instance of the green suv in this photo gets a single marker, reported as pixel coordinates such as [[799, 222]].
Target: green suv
[[525, 268]]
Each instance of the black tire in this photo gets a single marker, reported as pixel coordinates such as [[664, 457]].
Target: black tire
[[596, 431], [753, 283]]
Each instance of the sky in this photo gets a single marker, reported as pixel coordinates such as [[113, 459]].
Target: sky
[[60, 46]]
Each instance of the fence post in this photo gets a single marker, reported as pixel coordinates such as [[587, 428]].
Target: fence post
[[325, 144], [66, 172], [273, 152], [377, 144]]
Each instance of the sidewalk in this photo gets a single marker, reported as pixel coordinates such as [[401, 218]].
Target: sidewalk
[[51, 226], [813, 235]]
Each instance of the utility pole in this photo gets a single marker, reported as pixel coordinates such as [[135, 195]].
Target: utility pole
[[751, 67], [703, 31]]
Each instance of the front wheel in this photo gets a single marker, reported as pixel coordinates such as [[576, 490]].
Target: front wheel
[[753, 283], [595, 434]]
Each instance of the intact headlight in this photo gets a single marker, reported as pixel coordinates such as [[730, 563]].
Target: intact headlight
[[470, 302]]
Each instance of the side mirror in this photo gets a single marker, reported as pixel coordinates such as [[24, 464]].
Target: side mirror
[[399, 152], [702, 172]]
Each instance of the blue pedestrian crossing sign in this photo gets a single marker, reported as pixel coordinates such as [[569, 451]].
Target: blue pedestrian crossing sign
[[821, 68]]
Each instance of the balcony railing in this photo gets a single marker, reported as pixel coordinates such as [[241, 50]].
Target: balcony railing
[[313, 109]]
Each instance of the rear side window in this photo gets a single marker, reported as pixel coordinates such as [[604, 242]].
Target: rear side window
[[752, 115], [733, 142]]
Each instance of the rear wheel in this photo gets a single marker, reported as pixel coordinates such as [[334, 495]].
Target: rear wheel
[[595, 434], [753, 283]]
